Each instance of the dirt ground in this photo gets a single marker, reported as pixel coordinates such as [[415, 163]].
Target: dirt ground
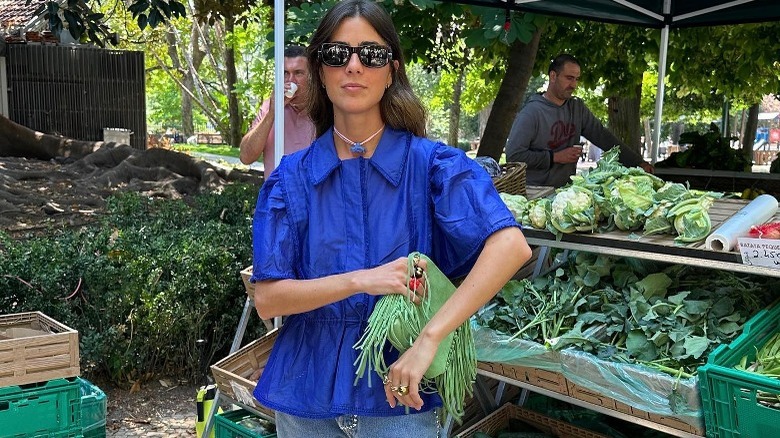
[[161, 408], [38, 195]]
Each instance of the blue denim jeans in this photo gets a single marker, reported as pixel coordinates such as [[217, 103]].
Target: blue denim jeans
[[418, 425]]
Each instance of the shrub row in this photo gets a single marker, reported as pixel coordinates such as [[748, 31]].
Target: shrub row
[[146, 286]]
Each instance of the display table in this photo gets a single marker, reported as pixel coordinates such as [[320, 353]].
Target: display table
[[661, 248], [722, 180]]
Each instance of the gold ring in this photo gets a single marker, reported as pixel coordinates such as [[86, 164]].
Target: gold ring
[[403, 390], [394, 388], [385, 380]]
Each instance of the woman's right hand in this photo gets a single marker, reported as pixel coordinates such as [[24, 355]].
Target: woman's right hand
[[390, 278]]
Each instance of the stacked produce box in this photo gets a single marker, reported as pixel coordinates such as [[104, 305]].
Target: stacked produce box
[[236, 377], [40, 391], [739, 386]]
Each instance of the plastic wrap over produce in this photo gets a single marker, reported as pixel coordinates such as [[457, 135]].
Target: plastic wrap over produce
[[634, 385], [496, 347], [637, 386]]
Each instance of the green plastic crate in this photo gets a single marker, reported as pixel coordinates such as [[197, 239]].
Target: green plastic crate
[[238, 424], [729, 395], [51, 408], [93, 409]]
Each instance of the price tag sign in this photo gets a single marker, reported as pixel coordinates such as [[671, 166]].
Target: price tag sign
[[760, 252]]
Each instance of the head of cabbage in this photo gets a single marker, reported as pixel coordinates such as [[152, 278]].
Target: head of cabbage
[[574, 209]]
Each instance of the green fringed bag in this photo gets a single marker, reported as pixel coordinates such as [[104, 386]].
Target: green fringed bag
[[398, 320]]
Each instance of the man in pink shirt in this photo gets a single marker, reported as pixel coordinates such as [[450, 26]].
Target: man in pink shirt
[[299, 130]]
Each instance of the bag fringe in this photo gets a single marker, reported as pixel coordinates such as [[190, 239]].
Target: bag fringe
[[398, 320]]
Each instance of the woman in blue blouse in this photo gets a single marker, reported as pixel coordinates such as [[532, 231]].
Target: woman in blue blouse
[[335, 222]]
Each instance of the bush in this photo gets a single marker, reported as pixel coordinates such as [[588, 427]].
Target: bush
[[143, 287]]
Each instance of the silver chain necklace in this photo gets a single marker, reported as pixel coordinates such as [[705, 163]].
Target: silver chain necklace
[[356, 147]]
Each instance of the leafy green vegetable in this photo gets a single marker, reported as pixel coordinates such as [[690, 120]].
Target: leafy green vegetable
[[517, 204], [612, 196], [573, 209], [665, 316], [709, 150]]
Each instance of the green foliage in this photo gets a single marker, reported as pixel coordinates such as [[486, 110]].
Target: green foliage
[[78, 16], [155, 277], [707, 151], [627, 310], [153, 12], [738, 62]]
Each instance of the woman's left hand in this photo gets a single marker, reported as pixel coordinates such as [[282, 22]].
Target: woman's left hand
[[402, 383]]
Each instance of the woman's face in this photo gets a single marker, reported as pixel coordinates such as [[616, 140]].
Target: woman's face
[[354, 88]]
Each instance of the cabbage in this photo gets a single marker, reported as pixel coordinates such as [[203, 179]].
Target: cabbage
[[574, 209], [538, 214], [517, 204], [691, 219], [629, 198], [657, 221]]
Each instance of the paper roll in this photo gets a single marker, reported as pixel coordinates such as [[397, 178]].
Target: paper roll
[[757, 212]]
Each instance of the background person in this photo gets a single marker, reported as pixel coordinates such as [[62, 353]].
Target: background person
[[298, 128], [548, 127], [334, 225]]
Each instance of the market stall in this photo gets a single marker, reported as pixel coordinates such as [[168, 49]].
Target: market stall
[[637, 394], [600, 385]]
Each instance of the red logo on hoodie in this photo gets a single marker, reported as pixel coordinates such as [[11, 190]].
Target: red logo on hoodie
[[560, 134]]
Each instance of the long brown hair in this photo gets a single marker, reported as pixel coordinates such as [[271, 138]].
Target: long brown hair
[[400, 107]]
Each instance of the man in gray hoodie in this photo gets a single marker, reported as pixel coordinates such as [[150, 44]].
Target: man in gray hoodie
[[547, 130]]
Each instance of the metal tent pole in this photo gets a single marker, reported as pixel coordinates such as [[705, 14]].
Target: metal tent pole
[[279, 82], [659, 96]]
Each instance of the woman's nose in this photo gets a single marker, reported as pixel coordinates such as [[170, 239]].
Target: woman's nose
[[354, 63]]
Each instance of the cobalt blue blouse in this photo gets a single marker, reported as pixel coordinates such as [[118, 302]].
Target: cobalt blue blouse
[[317, 216]]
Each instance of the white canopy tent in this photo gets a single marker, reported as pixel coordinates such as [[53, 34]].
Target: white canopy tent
[[661, 14]]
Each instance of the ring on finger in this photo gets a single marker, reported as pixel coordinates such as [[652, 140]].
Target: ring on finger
[[403, 390], [385, 380], [394, 388]]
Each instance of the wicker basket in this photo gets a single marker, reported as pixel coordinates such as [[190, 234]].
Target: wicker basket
[[512, 179], [499, 420], [232, 373], [246, 274]]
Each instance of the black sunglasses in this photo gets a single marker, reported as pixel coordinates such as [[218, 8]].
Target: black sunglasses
[[370, 55]]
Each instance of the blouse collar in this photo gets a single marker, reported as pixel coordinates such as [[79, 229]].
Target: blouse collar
[[388, 158]]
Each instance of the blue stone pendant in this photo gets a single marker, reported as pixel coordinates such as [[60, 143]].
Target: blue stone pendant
[[357, 148]]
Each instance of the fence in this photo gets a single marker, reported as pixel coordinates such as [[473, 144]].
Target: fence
[[77, 91]]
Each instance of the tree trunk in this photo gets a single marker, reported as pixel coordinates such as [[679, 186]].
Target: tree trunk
[[623, 115], [452, 137], [519, 69], [196, 59], [20, 141], [234, 136], [751, 125], [677, 130], [186, 101]]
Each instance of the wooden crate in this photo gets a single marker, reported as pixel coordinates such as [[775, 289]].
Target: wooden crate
[[246, 274], [499, 420], [233, 372], [550, 380], [473, 412], [36, 348], [595, 398]]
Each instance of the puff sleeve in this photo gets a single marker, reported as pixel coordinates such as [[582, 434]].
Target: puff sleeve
[[467, 210], [274, 253]]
